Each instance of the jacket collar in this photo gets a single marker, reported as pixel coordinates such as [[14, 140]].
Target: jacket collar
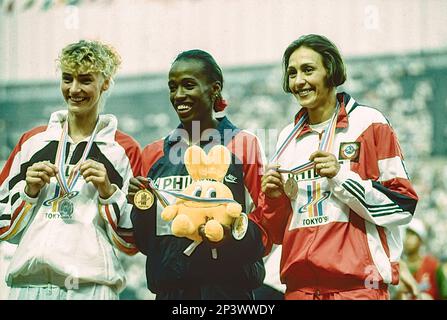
[[108, 125]]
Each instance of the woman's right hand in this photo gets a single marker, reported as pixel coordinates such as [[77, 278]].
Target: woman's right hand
[[135, 185], [37, 176], [272, 183]]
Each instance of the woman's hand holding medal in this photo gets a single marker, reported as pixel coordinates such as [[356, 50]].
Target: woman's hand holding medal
[[272, 183], [325, 165], [135, 185], [138, 195], [37, 176], [96, 173]]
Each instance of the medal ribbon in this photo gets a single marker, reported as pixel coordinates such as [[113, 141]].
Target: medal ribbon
[[295, 132], [67, 185], [178, 194], [325, 144]]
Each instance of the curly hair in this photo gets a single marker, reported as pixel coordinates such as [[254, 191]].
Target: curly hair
[[90, 56]]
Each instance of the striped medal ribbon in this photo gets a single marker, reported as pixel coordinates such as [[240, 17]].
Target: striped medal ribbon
[[291, 186], [177, 194], [66, 186]]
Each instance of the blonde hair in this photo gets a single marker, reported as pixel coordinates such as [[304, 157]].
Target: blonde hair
[[90, 56]]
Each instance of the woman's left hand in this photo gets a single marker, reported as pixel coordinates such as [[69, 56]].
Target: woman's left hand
[[96, 173], [326, 164]]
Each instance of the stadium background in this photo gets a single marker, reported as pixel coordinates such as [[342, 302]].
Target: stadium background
[[396, 55]]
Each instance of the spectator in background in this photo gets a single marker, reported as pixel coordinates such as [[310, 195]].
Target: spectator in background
[[62, 185], [195, 84], [423, 266], [408, 287], [337, 188]]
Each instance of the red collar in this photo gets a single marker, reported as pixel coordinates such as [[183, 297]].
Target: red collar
[[342, 119]]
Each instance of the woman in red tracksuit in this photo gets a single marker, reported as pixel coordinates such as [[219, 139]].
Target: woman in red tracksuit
[[342, 169]]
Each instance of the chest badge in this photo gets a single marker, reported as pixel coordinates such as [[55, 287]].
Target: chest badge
[[349, 151]]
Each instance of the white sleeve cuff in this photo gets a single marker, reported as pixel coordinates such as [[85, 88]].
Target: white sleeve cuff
[[117, 197], [27, 198]]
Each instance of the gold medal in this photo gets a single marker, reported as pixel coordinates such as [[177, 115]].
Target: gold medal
[[291, 188], [143, 199]]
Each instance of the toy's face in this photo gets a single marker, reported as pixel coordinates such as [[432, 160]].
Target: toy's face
[[207, 189]]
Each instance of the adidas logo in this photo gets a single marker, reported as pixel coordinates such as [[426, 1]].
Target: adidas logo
[[230, 178]]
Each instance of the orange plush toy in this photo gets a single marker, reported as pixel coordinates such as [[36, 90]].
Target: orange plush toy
[[206, 201]]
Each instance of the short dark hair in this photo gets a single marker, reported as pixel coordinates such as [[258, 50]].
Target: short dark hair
[[331, 57], [210, 66]]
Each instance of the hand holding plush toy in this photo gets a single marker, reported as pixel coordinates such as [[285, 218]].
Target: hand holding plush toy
[[207, 200]]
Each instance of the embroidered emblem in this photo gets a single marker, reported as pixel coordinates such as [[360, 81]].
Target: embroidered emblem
[[349, 151]]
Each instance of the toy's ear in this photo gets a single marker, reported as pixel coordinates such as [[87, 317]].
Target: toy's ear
[[195, 162], [219, 159]]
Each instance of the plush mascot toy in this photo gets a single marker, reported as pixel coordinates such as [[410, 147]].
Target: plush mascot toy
[[206, 201]]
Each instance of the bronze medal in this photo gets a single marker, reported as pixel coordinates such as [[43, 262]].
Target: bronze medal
[[291, 188], [143, 199]]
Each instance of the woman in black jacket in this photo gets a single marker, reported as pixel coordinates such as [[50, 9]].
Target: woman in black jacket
[[195, 84]]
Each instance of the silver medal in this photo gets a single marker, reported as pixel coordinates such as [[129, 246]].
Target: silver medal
[[240, 226], [65, 208], [291, 188]]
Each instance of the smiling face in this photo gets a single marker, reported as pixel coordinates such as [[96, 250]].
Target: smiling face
[[307, 78], [82, 92], [191, 92]]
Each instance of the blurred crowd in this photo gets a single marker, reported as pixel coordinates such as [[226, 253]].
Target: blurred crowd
[[404, 89]]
